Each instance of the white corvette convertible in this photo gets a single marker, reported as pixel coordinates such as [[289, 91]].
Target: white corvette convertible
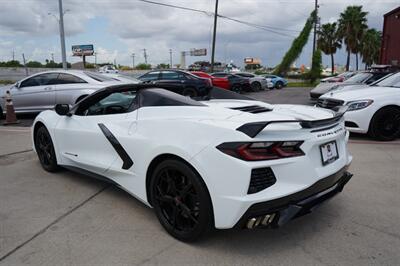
[[223, 162]]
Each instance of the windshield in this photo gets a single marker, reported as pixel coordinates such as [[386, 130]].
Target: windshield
[[358, 78], [391, 81], [98, 77]]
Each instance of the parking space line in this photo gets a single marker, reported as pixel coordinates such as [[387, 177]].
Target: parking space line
[[52, 223], [13, 153]]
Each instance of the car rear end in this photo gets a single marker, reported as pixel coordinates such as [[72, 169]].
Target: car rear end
[[276, 175]]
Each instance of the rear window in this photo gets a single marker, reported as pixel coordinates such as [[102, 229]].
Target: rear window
[[98, 77]]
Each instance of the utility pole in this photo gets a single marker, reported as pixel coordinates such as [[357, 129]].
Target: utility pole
[[95, 58], [214, 35], [26, 69], [145, 56], [315, 26], [170, 58], [13, 55], [62, 35], [133, 60], [52, 57]]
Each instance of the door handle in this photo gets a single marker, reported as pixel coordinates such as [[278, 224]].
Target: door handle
[[47, 88]]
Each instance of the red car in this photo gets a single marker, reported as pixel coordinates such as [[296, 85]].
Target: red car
[[217, 82]]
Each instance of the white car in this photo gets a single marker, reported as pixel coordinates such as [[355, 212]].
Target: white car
[[257, 82], [374, 110], [43, 90], [108, 69], [223, 163]]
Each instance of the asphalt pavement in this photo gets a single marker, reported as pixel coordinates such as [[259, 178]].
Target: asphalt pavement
[[70, 219]]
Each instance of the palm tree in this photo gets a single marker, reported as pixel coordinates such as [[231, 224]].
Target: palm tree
[[370, 47], [329, 41], [352, 25]]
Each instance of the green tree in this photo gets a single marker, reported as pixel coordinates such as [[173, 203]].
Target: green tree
[[297, 46], [329, 41], [370, 47], [34, 64], [11, 63], [352, 25], [316, 67], [163, 66], [51, 64], [143, 66]]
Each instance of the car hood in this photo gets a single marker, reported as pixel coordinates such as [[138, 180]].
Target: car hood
[[370, 92]]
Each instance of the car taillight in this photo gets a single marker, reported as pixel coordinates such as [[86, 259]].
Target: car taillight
[[259, 151]]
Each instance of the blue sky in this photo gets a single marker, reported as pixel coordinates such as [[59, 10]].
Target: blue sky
[[118, 28]]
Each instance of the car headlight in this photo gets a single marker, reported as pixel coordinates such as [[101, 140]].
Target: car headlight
[[357, 105]]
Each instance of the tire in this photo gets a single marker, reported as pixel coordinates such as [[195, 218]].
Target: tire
[[255, 86], [236, 88], [45, 150], [181, 200], [385, 124], [279, 85], [191, 92]]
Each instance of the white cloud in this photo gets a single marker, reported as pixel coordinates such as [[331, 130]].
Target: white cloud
[[136, 25]]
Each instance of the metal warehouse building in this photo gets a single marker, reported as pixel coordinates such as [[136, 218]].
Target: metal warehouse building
[[390, 49]]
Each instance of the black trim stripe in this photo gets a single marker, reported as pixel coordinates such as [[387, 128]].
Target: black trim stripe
[[117, 146]]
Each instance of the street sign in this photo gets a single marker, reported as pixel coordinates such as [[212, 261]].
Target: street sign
[[81, 50], [198, 52]]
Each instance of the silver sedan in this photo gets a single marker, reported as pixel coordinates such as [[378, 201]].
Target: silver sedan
[[44, 90]]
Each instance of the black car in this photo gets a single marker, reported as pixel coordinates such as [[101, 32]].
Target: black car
[[178, 81], [237, 83]]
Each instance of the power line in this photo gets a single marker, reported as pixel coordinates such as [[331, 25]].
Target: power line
[[261, 27]]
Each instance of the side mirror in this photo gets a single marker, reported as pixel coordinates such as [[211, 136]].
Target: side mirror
[[62, 109], [17, 85]]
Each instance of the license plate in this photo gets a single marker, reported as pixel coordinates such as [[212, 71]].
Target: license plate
[[329, 152]]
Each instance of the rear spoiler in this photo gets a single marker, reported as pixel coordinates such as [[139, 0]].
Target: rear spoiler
[[254, 128]]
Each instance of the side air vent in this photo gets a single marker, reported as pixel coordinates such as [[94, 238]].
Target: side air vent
[[254, 109], [261, 178]]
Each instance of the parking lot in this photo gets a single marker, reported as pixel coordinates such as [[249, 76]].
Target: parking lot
[[70, 219]]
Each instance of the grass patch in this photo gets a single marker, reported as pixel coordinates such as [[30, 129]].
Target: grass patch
[[5, 81], [301, 84]]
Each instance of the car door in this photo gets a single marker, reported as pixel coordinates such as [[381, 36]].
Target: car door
[[87, 139], [172, 78], [35, 94], [66, 84]]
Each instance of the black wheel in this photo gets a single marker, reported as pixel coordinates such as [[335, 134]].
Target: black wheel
[[385, 124], [279, 85], [236, 88], [191, 92], [181, 200], [255, 86], [45, 150]]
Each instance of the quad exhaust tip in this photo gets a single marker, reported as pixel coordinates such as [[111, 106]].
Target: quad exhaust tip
[[264, 220]]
